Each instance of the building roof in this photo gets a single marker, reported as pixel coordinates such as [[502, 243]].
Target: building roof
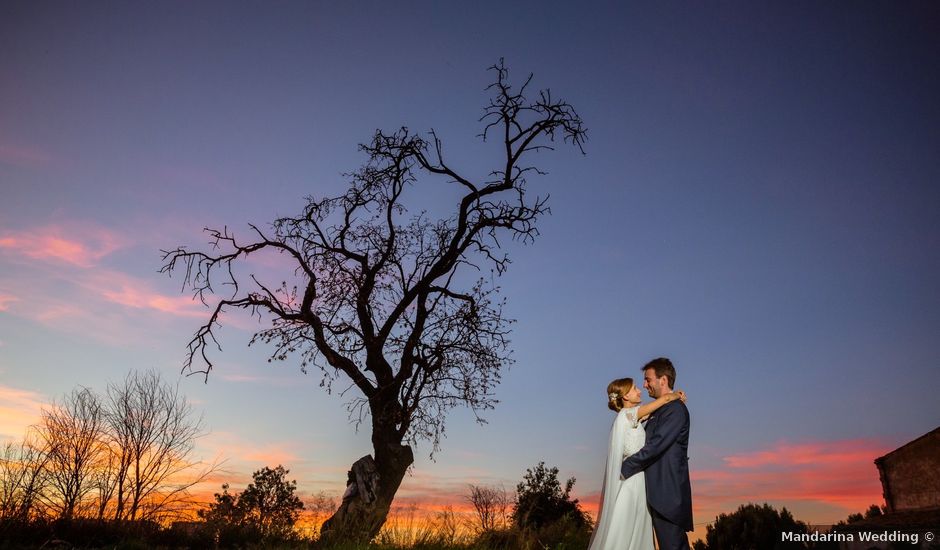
[[935, 431]]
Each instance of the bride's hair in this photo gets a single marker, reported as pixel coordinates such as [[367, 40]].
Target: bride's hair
[[616, 390]]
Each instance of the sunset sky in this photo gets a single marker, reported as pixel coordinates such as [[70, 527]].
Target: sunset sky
[[759, 201]]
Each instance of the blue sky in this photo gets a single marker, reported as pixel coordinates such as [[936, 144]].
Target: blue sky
[[758, 202]]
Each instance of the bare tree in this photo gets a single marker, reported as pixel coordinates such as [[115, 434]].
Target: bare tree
[[491, 505], [106, 474], [152, 431], [72, 435], [11, 480], [378, 298], [87, 458], [22, 479]]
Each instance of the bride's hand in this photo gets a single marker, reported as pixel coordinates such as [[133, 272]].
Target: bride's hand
[[682, 395]]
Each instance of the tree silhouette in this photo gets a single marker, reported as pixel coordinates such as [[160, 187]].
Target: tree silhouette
[[541, 501], [873, 511], [152, 432], [223, 518], [125, 457], [72, 435], [753, 526], [491, 506], [23, 479], [269, 502], [380, 299], [266, 510]]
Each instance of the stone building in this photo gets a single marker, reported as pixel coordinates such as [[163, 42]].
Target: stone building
[[910, 482], [910, 475]]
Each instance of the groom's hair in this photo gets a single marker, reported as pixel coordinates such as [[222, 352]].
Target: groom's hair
[[663, 367]]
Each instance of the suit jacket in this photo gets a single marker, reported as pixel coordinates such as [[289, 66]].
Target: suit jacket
[[665, 459]]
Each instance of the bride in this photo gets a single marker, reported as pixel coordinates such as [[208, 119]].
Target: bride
[[623, 520]]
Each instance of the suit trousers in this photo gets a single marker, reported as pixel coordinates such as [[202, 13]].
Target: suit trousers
[[669, 535]]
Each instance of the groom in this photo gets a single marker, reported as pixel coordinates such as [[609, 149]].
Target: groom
[[665, 459]]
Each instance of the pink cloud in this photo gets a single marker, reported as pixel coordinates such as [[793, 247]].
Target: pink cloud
[[67, 289], [834, 478], [50, 313], [816, 453], [77, 244], [5, 300], [105, 305], [126, 291], [135, 293]]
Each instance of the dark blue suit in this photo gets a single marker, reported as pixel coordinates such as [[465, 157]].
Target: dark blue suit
[[665, 459]]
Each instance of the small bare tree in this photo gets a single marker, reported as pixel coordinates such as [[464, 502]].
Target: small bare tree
[[105, 475], [12, 474], [72, 433], [130, 456], [380, 298], [491, 504], [152, 431], [22, 479]]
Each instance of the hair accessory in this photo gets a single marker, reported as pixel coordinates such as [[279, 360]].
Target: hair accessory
[[612, 395]]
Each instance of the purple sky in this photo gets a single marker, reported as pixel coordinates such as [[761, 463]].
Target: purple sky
[[759, 202]]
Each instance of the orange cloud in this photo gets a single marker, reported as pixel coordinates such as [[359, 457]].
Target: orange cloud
[[272, 455], [19, 409], [77, 244], [250, 456]]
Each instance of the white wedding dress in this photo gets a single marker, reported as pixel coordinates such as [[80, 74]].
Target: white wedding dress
[[623, 520]]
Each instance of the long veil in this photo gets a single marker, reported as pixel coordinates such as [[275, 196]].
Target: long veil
[[626, 419]]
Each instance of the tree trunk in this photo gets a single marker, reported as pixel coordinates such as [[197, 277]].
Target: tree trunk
[[370, 489]]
